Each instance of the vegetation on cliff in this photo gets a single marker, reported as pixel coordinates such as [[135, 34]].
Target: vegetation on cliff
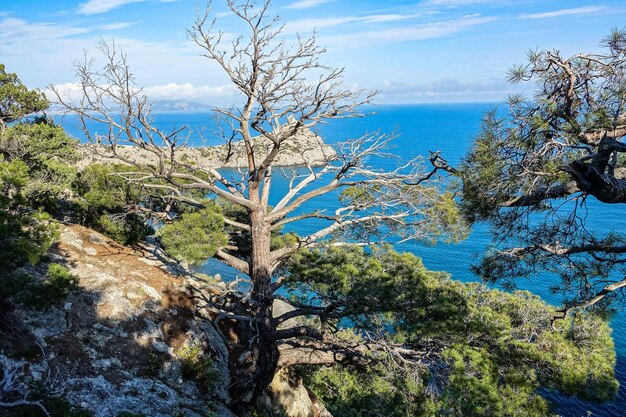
[[371, 330], [484, 352]]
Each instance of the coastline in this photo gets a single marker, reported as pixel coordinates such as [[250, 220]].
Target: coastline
[[302, 149]]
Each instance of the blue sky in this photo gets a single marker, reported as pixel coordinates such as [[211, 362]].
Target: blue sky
[[412, 51]]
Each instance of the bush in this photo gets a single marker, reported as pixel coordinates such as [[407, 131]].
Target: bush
[[25, 234], [195, 236], [360, 392], [126, 229], [50, 156], [103, 197], [40, 293], [198, 366], [59, 282]]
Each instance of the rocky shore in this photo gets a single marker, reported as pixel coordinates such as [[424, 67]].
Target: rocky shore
[[303, 148]]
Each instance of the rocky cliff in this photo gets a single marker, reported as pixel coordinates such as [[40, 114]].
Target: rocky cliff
[[128, 340]]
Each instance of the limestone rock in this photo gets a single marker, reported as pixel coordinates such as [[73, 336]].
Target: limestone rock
[[303, 148], [287, 396], [114, 345]]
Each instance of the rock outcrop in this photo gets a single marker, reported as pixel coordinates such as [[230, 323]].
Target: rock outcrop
[[287, 396], [129, 340], [303, 148], [125, 340]]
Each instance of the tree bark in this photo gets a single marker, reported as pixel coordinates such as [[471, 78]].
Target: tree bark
[[254, 368], [604, 187]]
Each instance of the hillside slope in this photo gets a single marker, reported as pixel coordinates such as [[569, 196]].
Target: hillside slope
[[128, 340]]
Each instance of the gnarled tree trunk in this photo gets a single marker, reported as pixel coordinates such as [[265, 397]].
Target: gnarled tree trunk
[[254, 369]]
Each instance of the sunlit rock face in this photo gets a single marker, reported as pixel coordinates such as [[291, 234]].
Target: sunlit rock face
[[131, 339], [119, 343], [287, 396]]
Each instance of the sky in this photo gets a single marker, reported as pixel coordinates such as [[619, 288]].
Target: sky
[[411, 51]]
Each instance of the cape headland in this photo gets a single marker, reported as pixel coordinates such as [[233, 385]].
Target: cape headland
[[304, 148]]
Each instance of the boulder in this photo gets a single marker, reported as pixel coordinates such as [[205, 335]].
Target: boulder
[[288, 397]]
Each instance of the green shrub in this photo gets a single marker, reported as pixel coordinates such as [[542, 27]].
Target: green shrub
[[41, 293], [198, 366], [50, 155], [361, 392], [25, 234], [17, 100], [155, 363], [127, 229], [195, 236], [103, 199], [60, 282]]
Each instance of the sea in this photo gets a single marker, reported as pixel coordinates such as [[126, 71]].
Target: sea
[[418, 129]]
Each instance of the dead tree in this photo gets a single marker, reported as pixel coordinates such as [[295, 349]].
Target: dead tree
[[284, 90], [10, 395]]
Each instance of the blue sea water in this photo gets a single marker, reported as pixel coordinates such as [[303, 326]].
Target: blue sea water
[[448, 128]]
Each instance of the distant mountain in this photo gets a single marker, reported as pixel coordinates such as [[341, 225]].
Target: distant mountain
[[175, 106]]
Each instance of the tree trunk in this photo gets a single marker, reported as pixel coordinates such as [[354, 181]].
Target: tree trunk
[[254, 368]]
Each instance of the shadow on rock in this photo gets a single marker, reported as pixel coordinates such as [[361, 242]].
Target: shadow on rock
[[127, 340]]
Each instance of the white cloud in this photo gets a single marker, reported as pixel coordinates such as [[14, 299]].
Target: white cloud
[[103, 6], [564, 12], [307, 25], [67, 91], [118, 26], [225, 94], [406, 33], [204, 94], [13, 29], [43, 53], [306, 4], [380, 18]]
